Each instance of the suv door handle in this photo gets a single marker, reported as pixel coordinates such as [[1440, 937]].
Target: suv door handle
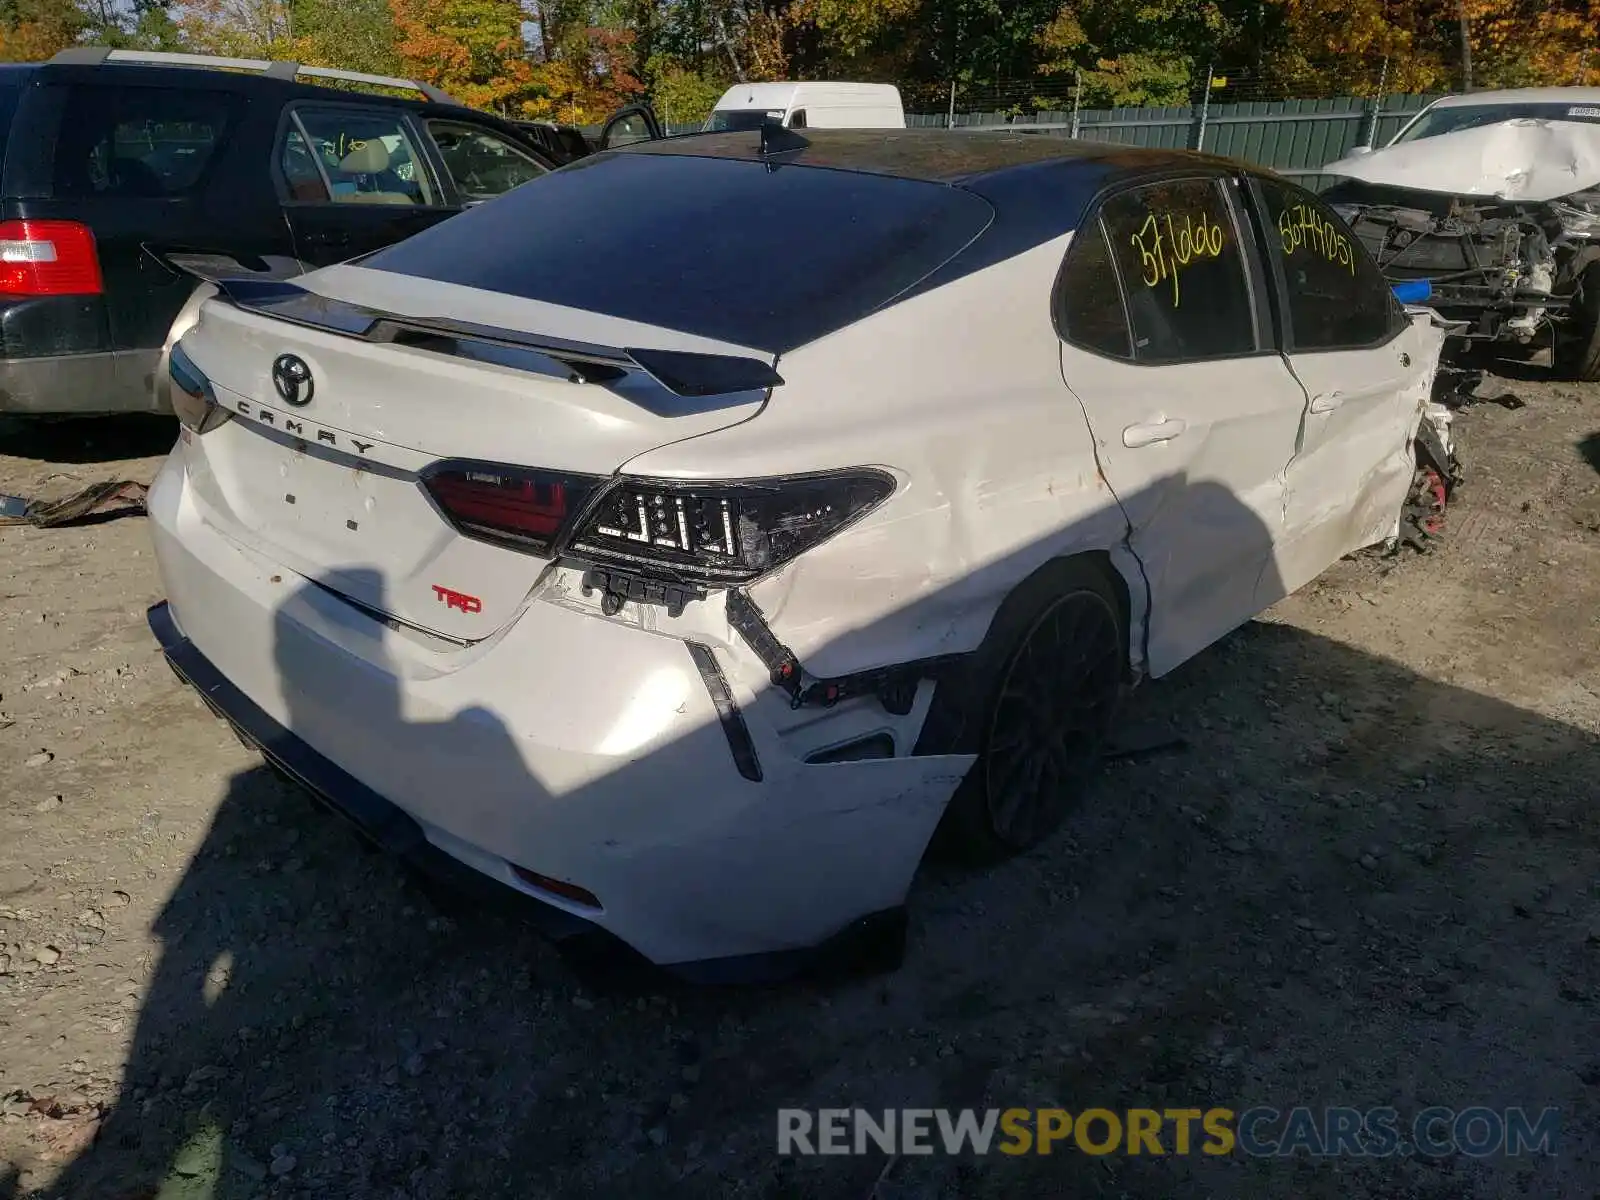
[[1135, 436], [1326, 402]]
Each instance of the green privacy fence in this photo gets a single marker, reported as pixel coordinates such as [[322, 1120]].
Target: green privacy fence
[[1295, 137], [1292, 136]]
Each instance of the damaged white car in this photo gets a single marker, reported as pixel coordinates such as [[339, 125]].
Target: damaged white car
[[1496, 212], [677, 542]]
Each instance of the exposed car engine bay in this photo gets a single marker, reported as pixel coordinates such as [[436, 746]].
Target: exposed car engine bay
[[1501, 220], [1508, 269]]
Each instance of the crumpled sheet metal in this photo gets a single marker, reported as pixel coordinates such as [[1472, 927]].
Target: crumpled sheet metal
[[1525, 160], [100, 501]]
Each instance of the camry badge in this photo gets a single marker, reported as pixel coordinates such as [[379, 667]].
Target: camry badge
[[292, 380]]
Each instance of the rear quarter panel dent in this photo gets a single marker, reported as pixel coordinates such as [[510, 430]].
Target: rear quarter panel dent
[[959, 392]]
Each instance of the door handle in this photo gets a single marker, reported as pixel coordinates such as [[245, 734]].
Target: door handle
[[1135, 436], [1326, 402]]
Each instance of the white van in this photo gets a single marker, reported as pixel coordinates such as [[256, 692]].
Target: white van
[[809, 105]]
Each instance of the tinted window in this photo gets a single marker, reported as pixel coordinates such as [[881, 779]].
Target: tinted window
[[139, 141], [735, 120], [367, 155], [1177, 251], [797, 120], [721, 247], [1337, 296], [482, 164], [1089, 302]]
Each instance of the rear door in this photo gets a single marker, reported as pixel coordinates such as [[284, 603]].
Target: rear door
[[479, 162], [1366, 374], [1169, 349], [354, 178], [635, 123]]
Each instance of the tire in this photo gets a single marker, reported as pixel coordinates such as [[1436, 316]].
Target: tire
[[1035, 703], [1577, 353]]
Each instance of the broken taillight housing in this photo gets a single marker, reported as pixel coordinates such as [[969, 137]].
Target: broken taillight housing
[[511, 506], [193, 400], [722, 534]]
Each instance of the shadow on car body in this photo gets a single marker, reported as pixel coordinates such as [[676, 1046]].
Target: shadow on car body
[[396, 1053]]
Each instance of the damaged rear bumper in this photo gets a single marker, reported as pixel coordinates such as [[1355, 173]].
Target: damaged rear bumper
[[874, 941]]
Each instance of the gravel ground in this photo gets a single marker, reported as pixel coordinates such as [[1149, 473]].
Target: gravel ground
[[1370, 876]]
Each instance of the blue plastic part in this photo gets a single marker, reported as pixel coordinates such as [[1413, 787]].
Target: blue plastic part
[[1413, 291]]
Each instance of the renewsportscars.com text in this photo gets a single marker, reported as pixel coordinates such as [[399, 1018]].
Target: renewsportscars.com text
[[1261, 1132]]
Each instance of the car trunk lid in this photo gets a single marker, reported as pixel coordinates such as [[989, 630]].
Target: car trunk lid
[[327, 476]]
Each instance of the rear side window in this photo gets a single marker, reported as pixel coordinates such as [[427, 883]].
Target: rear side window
[[482, 164], [366, 156], [140, 142], [1338, 299], [744, 252], [1088, 302], [1183, 271]]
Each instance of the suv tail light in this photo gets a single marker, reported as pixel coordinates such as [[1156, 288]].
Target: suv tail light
[[522, 509], [722, 534], [193, 399], [48, 258]]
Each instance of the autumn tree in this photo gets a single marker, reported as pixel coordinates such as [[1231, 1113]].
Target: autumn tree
[[33, 30], [1149, 52], [239, 28], [358, 35], [473, 49]]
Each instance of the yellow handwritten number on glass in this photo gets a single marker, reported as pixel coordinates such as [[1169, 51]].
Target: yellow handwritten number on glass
[[1165, 246]]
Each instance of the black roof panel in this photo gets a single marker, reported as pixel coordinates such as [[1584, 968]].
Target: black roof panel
[[934, 155]]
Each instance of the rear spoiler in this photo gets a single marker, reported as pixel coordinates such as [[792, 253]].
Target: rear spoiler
[[683, 373]]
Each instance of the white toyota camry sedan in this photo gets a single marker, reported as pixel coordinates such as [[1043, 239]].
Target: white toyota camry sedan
[[681, 541]]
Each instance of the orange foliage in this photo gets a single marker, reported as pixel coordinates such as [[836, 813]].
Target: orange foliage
[[32, 41], [1524, 42], [473, 49]]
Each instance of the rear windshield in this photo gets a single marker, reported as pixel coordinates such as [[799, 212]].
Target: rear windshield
[[769, 258]]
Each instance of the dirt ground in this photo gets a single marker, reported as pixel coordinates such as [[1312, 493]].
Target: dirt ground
[[1371, 876]]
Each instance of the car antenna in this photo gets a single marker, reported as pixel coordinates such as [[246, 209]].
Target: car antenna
[[775, 139]]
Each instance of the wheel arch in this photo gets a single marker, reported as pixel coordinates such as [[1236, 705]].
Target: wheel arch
[[948, 728]]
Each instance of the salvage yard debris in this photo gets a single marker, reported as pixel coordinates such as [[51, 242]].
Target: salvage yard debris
[[98, 502]]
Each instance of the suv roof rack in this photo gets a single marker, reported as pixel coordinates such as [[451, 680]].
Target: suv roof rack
[[272, 69]]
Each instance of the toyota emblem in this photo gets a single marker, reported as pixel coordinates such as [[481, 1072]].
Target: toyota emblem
[[292, 380]]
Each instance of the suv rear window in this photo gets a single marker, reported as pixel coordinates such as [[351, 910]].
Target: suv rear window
[[723, 248], [139, 142]]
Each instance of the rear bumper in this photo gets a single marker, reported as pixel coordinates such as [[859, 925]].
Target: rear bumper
[[590, 752], [379, 821], [875, 940], [80, 384]]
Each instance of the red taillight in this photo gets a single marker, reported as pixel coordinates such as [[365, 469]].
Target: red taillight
[[48, 258], [522, 508]]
